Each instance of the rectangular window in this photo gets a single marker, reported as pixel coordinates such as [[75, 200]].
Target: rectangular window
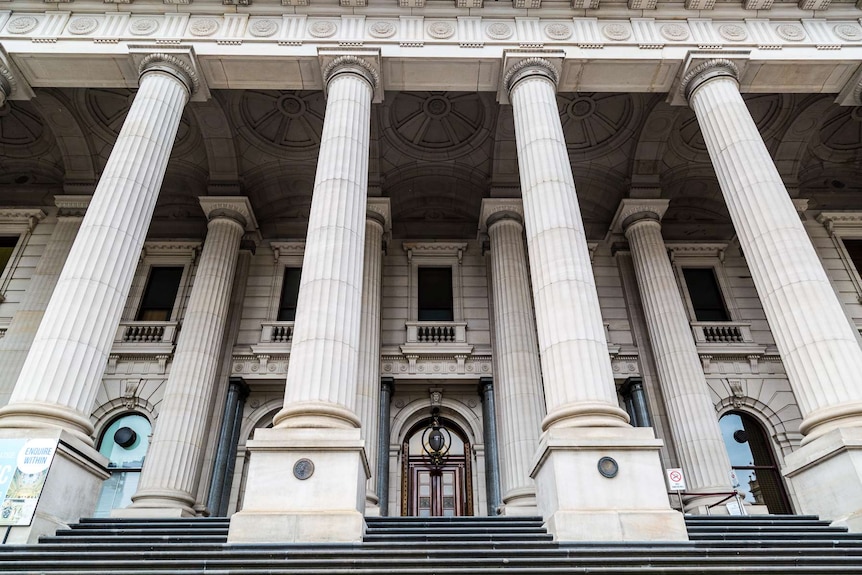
[[7, 245], [289, 294], [435, 294], [160, 294], [705, 294], [854, 250]]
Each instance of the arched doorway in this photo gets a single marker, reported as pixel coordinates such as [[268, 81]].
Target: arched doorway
[[757, 476], [124, 442], [441, 488]]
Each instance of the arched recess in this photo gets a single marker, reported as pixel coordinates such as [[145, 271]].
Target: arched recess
[[414, 414], [260, 417], [756, 468], [63, 121], [218, 139], [124, 441]]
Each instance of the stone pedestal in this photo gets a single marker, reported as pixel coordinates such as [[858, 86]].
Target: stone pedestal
[[298, 489], [71, 490], [581, 504], [827, 477]]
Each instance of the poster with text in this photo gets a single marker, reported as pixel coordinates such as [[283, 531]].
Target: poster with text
[[24, 466]]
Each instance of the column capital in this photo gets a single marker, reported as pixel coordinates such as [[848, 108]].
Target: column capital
[[72, 206], [380, 210], [237, 208], [495, 210], [350, 64], [702, 73], [529, 67], [632, 210], [8, 83], [172, 65]]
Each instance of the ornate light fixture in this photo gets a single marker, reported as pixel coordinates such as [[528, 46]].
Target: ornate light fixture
[[436, 440]]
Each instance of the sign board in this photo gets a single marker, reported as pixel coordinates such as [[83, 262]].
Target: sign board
[[24, 465], [675, 479], [733, 508]]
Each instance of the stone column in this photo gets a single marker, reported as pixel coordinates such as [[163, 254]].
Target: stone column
[[387, 387], [171, 471], [376, 223], [489, 430], [317, 432], [584, 423], [816, 342], [54, 395], [691, 412], [228, 437], [61, 375], [633, 389], [516, 352], [22, 329]]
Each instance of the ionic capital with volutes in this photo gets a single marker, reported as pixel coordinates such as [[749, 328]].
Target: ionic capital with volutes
[[236, 208], [703, 73], [633, 210], [380, 211], [497, 210], [349, 64], [532, 67], [8, 83], [172, 66]]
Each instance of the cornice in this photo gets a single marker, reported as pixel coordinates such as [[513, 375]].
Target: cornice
[[696, 250], [834, 221], [434, 249], [281, 249], [24, 217]]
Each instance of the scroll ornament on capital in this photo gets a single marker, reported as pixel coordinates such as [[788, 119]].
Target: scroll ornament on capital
[[7, 84], [172, 65], [706, 71], [354, 65], [530, 67]]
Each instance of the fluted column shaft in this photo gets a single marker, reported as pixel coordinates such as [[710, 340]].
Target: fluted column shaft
[[692, 416], [520, 405], [322, 374], [816, 342], [61, 375], [22, 329], [578, 379], [170, 474], [369, 349]]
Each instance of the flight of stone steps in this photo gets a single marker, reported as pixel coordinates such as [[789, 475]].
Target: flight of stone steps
[[441, 546]]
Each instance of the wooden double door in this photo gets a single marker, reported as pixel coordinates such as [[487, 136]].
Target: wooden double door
[[436, 491]]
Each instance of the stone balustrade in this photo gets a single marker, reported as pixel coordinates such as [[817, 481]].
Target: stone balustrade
[[436, 332], [276, 332], [721, 332]]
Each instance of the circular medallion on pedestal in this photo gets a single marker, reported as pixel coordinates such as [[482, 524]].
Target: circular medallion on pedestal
[[21, 25], [322, 29], [440, 30], [790, 32], [203, 27], [733, 32], [558, 31], [263, 28], [499, 31], [617, 32], [143, 26], [82, 26], [303, 469], [674, 32], [382, 29], [848, 32]]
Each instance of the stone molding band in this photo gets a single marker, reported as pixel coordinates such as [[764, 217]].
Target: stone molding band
[[351, 65], [716, 68], [530, 67], [173, 66]]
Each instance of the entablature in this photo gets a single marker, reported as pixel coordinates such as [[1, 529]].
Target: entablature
[[459, 52]]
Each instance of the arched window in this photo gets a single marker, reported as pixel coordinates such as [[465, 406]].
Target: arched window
[[756, 474], [125, 444]]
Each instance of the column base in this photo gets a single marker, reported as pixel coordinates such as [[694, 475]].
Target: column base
[[519, 503], [826, 476], [326, 506], [580, 504], [72, 488]]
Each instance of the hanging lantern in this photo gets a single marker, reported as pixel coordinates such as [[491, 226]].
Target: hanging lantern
[[436, 440]]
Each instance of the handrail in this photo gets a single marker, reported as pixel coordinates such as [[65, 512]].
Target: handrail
[[728, 494]]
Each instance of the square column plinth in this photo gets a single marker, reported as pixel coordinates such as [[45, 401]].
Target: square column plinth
[[580, 504], [304, 485], [826, 476], [71, 489]]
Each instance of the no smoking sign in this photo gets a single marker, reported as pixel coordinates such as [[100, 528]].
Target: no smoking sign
[[675, 479]]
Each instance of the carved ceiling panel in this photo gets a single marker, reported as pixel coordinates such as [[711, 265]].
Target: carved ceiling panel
[[595, 124], [839, 138], [434, 125], [22, 131], [279, 122]]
